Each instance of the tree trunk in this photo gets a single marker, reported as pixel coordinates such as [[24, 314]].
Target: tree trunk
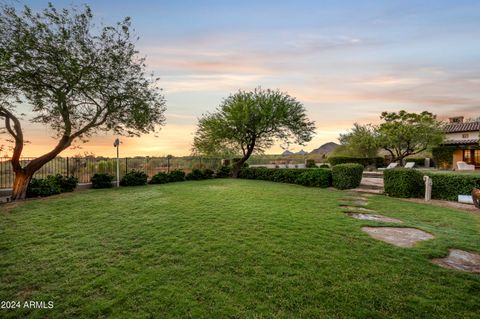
[[238, 166], [20, 185]]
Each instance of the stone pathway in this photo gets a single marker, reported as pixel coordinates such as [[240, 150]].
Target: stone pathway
[[353, 206], [398, 236], [460, 260]]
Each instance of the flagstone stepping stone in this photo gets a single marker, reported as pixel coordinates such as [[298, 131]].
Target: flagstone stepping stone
[[359, 198], [356, 209], [353, 202], [374, 217], [398, 236], [460, 260]]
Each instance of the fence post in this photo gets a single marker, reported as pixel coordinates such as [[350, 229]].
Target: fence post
[[126, 165], [68, 167]]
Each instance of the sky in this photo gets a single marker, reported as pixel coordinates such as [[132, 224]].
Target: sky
[[346, 61]]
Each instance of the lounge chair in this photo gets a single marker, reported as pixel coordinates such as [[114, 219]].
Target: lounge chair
[[409, 165], [390, 166], [462, 166]]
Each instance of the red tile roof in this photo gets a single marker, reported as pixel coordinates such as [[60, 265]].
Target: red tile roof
[[460, 142], [462, 127]]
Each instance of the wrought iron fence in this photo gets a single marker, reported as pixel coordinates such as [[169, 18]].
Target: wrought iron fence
[[85, 167]]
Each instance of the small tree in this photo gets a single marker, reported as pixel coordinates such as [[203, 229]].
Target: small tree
[[248, 122], [77, 79], [361, 141], [403, 134]]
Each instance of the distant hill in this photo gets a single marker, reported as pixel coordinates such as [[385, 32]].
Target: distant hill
[[325, 148], [301, 152], [286, 153]]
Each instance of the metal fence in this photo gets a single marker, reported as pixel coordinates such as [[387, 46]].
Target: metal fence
[[84, 168]]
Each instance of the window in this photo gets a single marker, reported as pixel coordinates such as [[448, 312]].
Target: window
[[465, 135], [467, 156], [476, 156]]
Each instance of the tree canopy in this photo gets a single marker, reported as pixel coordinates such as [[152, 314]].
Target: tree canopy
[[361, 141], [77, 78], [248, 122], [403, 134]]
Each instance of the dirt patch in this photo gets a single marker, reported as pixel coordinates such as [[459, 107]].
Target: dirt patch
[[358, 198], [398, 236], [460, 260], [374, 217], [356, 209]]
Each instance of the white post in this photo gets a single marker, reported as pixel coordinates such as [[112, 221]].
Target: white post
[[428, 188], [117, 145]]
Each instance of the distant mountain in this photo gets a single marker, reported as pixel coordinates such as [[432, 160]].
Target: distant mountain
[[286, 153], [325, 148], [301, 152]]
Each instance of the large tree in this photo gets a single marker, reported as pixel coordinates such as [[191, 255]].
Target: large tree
[[361, 141], [78, 79], [403, 134], [248, 122]]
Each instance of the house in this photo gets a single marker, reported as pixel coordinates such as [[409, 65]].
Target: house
[[464, 137]]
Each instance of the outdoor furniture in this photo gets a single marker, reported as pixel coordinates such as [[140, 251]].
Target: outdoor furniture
[[476, 197], [409, 165], [462, 166], [390, 166]]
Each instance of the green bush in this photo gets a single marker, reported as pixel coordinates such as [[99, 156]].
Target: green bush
[[134, 178], [102, 180], [310, 163], [347, 176], [43, 187], [403, 182], [419, 161], [223, 171], [316, 177], [195, 175], [443, 156], [208, 173], [176, 176], [365, 161], [160, 178], [66, 183], [448, 186], [324, 166]]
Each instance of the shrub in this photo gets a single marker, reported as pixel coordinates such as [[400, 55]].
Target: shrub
[[324, 166], [318, 177], [160, 178], [207, 173], [195, 175], [176, 176], [66, 183], [43, 187], [443, 156], [315, 177], [223, 171], [449, 185], [102, 180], [346, 176], [310, 163], [403, 182], [365, 161], [419, 161], [134, 178]]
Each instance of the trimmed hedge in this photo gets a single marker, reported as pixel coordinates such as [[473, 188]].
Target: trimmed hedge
[[223, 171], [134, 178], [419, 161], [317, 177], [443, 156], [310, 163], [176, 176], [347, 176], [403, 182], [365, 161], [102, 180], [448, 186], [163, 178]]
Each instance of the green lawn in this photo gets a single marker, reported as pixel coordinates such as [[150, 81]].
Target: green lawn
[[229, 249]]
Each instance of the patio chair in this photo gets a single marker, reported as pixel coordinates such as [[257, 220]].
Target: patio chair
[[390, 166], [462, 166], [409, 165]]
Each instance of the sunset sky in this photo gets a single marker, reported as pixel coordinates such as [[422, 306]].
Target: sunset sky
[[346, 61]]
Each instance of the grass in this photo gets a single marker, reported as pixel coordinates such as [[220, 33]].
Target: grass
[[229, 248]]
